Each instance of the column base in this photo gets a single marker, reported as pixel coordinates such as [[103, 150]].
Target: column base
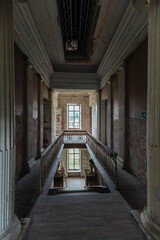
[[13, 231], [148, 225]]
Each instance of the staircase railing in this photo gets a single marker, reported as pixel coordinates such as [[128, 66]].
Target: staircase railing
[[99, 152], [106, 156], [47, 158], [74, 137]]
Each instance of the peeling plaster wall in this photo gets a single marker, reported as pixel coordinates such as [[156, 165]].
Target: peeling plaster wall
[[136, 103], [93, 102], [64, 99]]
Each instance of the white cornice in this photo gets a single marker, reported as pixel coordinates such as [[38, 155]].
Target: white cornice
[[131, 31], [66, 80], [27, 37]]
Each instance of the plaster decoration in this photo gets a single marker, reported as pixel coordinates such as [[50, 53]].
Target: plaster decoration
[[29, 41], [75, 139], [70, 80], [131, 31]]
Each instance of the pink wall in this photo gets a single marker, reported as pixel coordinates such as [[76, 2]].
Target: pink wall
[[136, 103]]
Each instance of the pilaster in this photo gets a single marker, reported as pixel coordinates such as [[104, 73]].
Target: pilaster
[[109, 115], [9, 224], [29, 107], [41, 114], [122, 113]]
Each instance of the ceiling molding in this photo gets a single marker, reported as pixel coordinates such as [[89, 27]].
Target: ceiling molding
[[27, 37], [131, 31], [65, 80]]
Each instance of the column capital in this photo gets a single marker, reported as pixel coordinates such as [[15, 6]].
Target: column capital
[[122, 66], [28, 63], [41, 79]]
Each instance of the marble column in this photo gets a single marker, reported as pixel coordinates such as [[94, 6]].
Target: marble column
[[29, 107], [122, 114], [151, 215], [9, 224]]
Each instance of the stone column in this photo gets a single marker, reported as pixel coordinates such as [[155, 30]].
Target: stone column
[[41, 115], [9, 224], [29, 80], [151, 215], [122, 113], [109, 115]]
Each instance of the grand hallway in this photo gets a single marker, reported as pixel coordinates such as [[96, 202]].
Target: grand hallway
[[79, 119]]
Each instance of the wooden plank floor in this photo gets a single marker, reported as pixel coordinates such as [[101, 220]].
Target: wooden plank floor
[[132, 189], [83, 216]]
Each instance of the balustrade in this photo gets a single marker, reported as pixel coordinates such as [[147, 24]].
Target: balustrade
[[48, 156], [105, 156]]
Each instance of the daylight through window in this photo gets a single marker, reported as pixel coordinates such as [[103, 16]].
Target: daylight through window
[[74, 159], [73, 116]]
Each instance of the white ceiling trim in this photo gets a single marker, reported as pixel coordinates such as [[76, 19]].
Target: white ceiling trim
[[131, 31], [27, 37], [65, 80]]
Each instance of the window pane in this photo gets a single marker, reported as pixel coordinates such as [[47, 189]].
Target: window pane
[[76, 125], [71, 166], [76, 150], [70, 108], [77, 156], [76, 108], [71, 119], [70, 156], [77, 120], [71, 150], [76, 114], [76, 166], [76, 162], [71, 125]]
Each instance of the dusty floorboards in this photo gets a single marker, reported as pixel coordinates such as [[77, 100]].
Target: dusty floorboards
[[83, 216]]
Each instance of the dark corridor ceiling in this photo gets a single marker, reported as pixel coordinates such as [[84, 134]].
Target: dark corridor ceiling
[[47, 19], [78, 20]]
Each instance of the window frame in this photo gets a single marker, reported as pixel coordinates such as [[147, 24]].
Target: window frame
[[68, 153], [74, 105]]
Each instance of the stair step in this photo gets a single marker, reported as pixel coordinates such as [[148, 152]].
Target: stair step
[[98, 189]]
